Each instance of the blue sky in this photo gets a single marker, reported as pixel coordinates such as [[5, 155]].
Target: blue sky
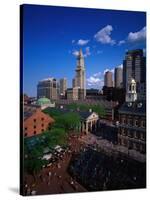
[[52, 37]]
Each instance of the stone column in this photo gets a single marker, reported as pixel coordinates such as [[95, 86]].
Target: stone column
[[91, 126], [83, 127], [86, 126]]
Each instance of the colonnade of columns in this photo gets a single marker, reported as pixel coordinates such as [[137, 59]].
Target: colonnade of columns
[[88, 126]]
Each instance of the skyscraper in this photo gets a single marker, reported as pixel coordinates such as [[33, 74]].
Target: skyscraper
[[80, 75], [73, 82], [108, 81], [134, 66], [118, 77], [48, 88], [63, 86]]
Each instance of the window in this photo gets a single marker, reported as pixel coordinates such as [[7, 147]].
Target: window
[[34, 126], [42, 125], [136, 122], [142, 136], [34, 132], [129, 133], [25, 128], [135, 134], [123, 131], [123, 120], [143, 123], [129, 122], [132, 87], [130, 145], [42, 119], [25, 134], [42, 130], [34, 120]]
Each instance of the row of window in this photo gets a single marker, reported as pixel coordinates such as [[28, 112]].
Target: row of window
[[133, 145], [26, 128], [134, 122], [133, 134], [35, 132], [41, 119]]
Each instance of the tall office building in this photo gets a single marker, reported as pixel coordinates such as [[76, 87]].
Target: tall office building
[[134, 66], [118, 77], [74, 82], [48, 88], [63, 86], [108, 80], [80, 80]]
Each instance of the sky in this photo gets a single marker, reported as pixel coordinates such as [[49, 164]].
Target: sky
[[52, 37]]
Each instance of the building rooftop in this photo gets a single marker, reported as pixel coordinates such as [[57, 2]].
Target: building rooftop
[[47, 79], [83, 114], [134, 108], [29, 110], [43, 101]]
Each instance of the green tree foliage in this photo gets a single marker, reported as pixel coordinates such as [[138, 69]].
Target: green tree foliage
[[56, 136], [100, 110], [69, 120], [33, 166], [52, 112]]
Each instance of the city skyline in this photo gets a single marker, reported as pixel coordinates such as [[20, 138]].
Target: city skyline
[[52, 41]]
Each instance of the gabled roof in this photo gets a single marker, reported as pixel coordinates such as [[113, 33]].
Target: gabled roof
[[84, 115], [31, 110]]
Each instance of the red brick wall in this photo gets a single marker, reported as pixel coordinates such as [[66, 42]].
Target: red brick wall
[[37, 123]]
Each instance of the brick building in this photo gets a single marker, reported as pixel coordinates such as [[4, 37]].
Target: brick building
[[35, 121], [132, 121], [132, 128]]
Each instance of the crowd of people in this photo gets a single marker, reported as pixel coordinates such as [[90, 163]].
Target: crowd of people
[[54, 178]]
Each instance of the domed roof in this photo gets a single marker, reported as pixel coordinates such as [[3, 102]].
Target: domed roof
[[43, 101], [133, 81]]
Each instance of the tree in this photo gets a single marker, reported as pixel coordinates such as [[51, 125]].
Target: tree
[[34, 165], [99, 110], [70, 120]]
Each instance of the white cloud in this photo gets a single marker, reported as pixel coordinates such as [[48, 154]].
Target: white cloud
[[121, 42], [87, 52], [75, 53], [120, 66], [73, 41], [139, 36], [82, 42], [110, 70], [104, 35], [98, 74], [95, 81]]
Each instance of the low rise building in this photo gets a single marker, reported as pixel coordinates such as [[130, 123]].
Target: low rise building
[[45, 103], [89, 121], [35, 121], [72, 93]]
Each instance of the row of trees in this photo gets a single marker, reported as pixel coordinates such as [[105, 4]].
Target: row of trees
[[100, 110], [57, 135]]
